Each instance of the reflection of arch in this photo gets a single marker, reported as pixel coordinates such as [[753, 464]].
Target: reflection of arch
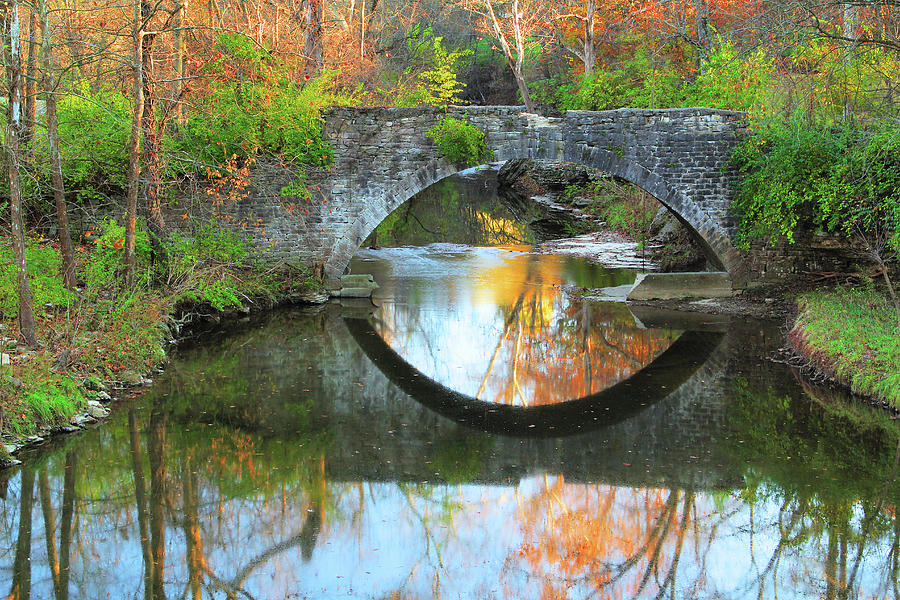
[[613, 405], [716, 243]]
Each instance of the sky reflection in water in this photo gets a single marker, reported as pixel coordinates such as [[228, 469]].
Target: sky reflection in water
[[507, 326]]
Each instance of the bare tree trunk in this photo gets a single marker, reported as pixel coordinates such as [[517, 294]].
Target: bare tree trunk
[[56, 179], [589, 47], [31, 80], [515, 61], [704, 36], [13, 59], [312, 46], [849, 32], [362, 28], [152, 135], [178, 64], [134, 143]]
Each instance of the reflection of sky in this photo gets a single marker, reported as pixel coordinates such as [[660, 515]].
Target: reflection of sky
[[504, 325], [468, 541]]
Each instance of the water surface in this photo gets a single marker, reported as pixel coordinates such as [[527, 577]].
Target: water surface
[[480, 432]]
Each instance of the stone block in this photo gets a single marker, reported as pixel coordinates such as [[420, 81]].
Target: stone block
[[667, 286]]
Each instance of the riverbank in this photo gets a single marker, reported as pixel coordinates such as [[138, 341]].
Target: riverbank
[[838, 336], [106, 339], [849, 336]]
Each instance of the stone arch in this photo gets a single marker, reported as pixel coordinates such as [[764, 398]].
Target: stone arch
[[615, 404], [718, 246]]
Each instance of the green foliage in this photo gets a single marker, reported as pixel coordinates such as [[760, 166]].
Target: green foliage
[[460, 461], [263, 110], [797, 174], [853, 333], [107, 257], [94, 128], [460, 142], [202, 267], [557, 91], [623, 206], [44, 278], [297, 188], [38, 396], [862, 81], [437, 81], [638, 82], [792, 439], [738, 82]]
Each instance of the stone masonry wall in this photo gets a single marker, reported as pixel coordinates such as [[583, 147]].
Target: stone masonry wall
[[383, 157]]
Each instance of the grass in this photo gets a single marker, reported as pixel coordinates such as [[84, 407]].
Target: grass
[[34, 395], [851, 334]]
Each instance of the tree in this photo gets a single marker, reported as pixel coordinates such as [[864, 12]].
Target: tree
[[134, 144], [587, 54], [13, 62], [312, 44], [514, 25], [50, 86]]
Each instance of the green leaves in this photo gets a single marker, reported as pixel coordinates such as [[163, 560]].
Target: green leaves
[[460, 142], [797, 174], [44, 265]]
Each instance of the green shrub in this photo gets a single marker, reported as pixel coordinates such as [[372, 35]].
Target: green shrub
[[638, 82], [107, 257], [264, 110], [434, 69], [94, 128], [44, 278], [800, 174], [460, 142], [201, 267], [731, 81]]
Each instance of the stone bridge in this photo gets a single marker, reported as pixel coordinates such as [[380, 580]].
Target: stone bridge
[[382, 157]]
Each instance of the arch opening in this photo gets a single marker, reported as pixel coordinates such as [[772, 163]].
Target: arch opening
[[716, 244]]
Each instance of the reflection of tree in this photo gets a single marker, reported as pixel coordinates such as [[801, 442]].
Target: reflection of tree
[[21, 580], [542, 346], [156, 451], [59, 562], [140, 499], [193, 540], [847, 513], [437, 214], [599, 539]]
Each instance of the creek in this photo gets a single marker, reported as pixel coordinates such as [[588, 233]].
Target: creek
[[479, 431]]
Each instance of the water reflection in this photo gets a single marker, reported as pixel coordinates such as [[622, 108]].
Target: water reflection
[[508, 326], [278, 462]]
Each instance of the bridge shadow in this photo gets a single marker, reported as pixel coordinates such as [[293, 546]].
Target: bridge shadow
[[613, 405]]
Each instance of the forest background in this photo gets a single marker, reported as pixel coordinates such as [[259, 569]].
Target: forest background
[[121, 104]]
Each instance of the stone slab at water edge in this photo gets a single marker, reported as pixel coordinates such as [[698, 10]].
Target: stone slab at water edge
[[669, 286]]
